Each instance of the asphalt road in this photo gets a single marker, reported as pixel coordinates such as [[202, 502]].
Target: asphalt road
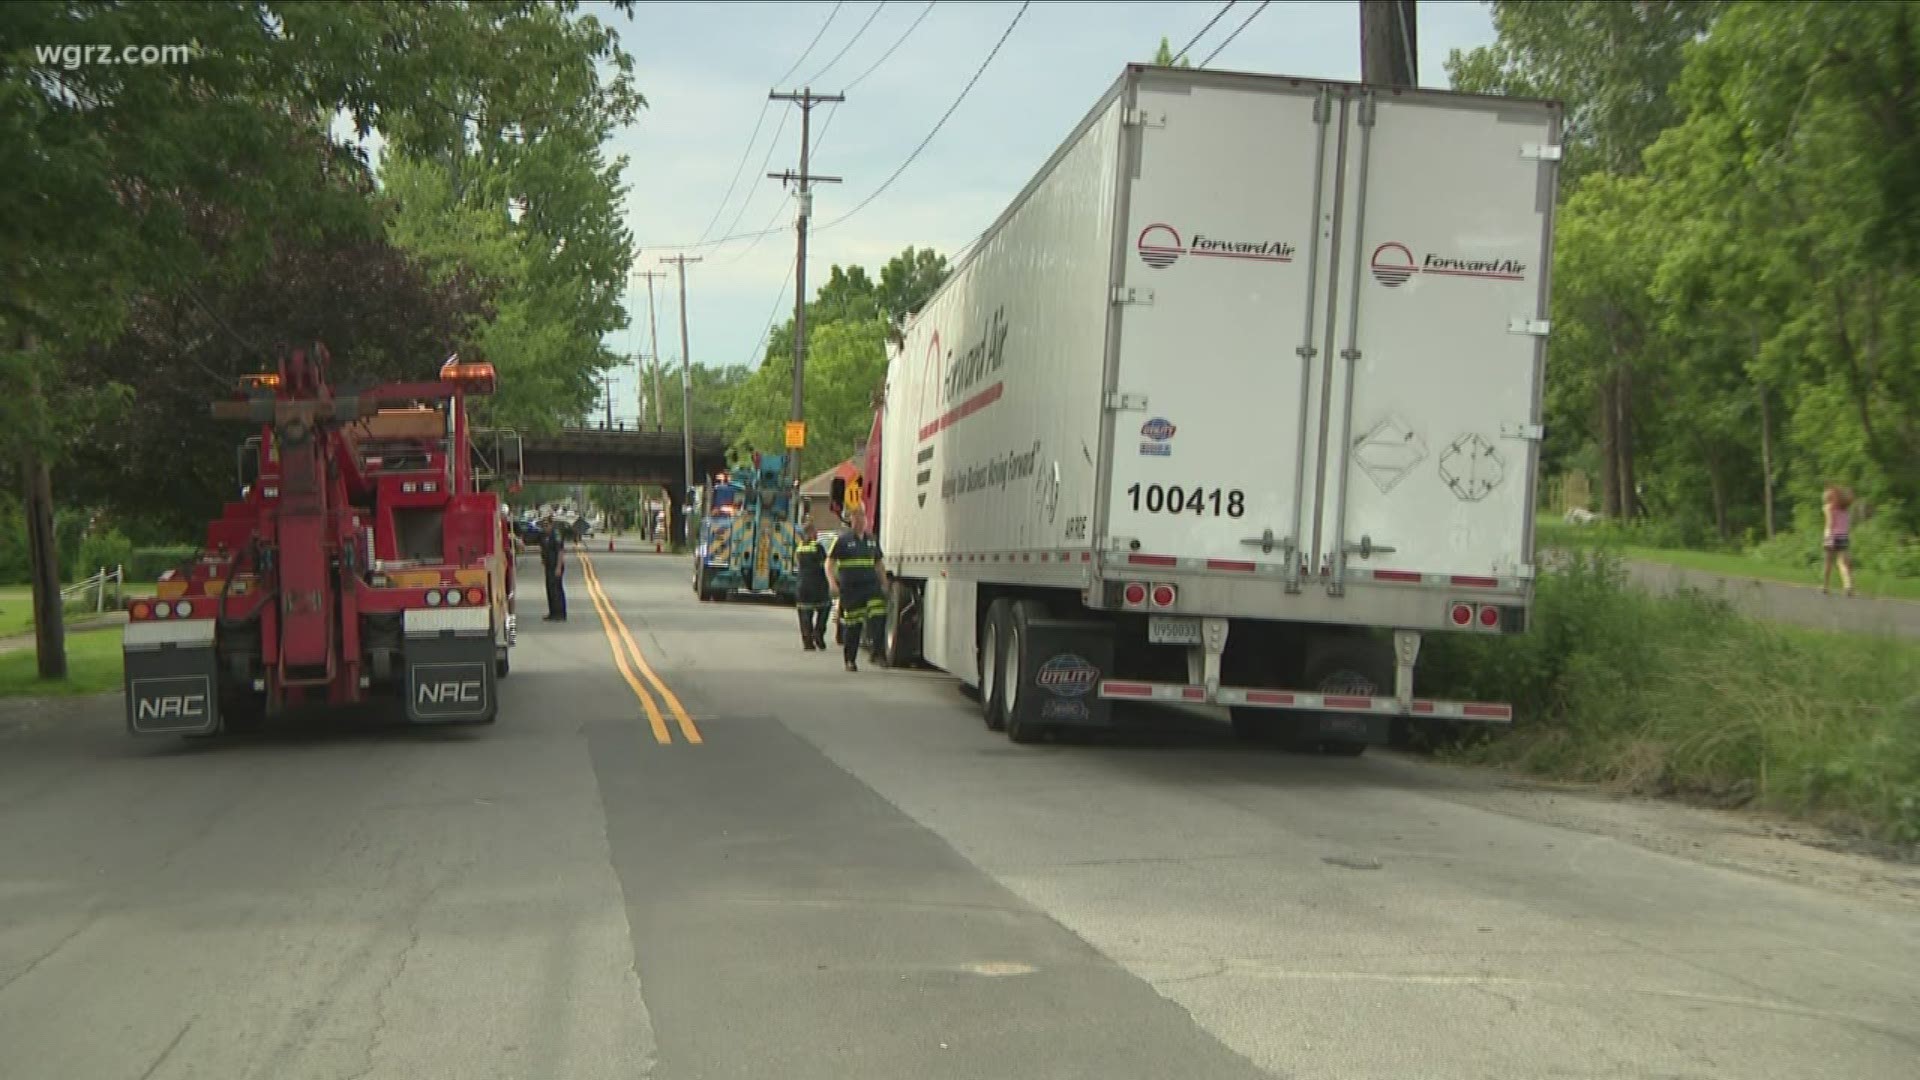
[[772, 867]]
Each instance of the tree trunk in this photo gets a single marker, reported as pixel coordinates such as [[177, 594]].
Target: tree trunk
[[1629, 497], [49, 630], [1766, 456], [1609, 453], [1717, 484]]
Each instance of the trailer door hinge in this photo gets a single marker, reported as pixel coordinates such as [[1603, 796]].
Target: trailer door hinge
[[1137, 117], [1527, 324], [1531, 432], [1124, 402], [1127, 294], [1540, 151]]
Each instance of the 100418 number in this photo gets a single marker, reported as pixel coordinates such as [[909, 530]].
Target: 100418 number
[[1175, 499]]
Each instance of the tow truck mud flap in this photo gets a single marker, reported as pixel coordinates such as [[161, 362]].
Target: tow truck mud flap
[[1069, 660], [171, 678], [449, 656]]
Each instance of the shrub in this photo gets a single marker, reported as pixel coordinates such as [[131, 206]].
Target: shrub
[[147, 563], [103, 550], [1680, 695]]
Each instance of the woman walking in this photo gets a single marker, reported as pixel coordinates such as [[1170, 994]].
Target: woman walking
[[1839, 507]]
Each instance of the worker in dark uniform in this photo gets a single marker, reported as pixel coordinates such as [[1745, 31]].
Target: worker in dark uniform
[[812, 596], [858, 578], [553, 559]]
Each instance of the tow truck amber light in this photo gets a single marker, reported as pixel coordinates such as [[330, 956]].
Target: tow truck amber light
[[1135, 594], [260, 382], [1463, 615], [1164, 596], [467, 373], [1489, 616]]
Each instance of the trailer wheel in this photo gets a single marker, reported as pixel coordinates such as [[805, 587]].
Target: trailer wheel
[[1014, 666], [993, 638], [902, 636]]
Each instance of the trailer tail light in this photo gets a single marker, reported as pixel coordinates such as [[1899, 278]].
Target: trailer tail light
[[1164, 596], [1490, 616], [474, 596], [1462, 614], [1135, 594]]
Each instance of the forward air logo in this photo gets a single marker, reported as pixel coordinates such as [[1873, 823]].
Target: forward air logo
[[1160, 247], [1394, 265]]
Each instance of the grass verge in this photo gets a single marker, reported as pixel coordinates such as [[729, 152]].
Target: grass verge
[[93, 666], [1748, 564], [1682, 696]]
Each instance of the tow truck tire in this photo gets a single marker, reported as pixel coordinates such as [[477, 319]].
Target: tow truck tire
[[993, 644], [1017, 662], [502, 665]]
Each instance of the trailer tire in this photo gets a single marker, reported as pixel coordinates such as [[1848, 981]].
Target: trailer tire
[[902, 635], [1016, 662], [993, 645]]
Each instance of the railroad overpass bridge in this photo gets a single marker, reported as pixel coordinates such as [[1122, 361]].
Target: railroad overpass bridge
[[602, 455], [616, 455]]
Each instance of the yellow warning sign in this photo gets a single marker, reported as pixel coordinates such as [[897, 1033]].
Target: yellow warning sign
[[796, 434]]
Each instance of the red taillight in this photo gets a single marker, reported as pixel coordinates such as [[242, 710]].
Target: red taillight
[[142, 610], [473, 596], [1462, 614], [1135, 594], [1163, 596], [1490, 616]]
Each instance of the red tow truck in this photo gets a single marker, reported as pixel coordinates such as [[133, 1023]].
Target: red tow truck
[[362, 561]]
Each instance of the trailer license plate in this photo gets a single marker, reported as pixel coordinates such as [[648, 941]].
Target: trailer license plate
[[1173, 630]]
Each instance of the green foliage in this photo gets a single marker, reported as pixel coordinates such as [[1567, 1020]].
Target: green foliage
[[1163, 56], [148, 563], [102, 549], [1681, 696], [1736, 308], [94, 665], [849, 323]]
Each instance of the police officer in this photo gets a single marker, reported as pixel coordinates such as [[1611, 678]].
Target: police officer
[[858, 579], [553, 559], [813, 596]]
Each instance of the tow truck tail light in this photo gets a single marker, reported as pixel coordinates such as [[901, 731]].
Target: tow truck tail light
[[433, 597], [474, 596]]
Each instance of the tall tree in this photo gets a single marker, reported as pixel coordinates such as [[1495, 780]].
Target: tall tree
[[1613, 65]]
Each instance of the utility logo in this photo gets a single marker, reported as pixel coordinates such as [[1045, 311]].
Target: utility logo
[[1159, 429], [1160, 246], [1067, 675], [1393, 265]]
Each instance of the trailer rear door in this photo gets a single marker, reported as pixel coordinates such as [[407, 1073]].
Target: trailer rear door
[[1435, 389], [1222, 286]]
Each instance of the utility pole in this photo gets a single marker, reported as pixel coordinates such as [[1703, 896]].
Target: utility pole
[[606, 391], [686, 376], [806, 99], [653, 342], [1389, 54], [639, 390]]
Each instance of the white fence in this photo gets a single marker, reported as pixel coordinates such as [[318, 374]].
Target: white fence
[[98, 586]]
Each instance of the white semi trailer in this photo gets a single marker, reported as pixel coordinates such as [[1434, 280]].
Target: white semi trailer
[[1239, 398]]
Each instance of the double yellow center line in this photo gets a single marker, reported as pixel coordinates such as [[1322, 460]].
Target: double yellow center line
[[624, 650]]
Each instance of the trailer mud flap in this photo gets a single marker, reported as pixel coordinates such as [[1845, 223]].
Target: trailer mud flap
[[172, 678], [450, 669], [1068, 661]]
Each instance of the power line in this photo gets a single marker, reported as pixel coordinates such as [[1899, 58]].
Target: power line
[[964, 91], [901, 40], [1236, 33], [857, 34], [753, 139], [764, 162], [1203, 31], [779, 296]]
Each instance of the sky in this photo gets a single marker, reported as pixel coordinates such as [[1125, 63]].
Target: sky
[[706, 69]]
